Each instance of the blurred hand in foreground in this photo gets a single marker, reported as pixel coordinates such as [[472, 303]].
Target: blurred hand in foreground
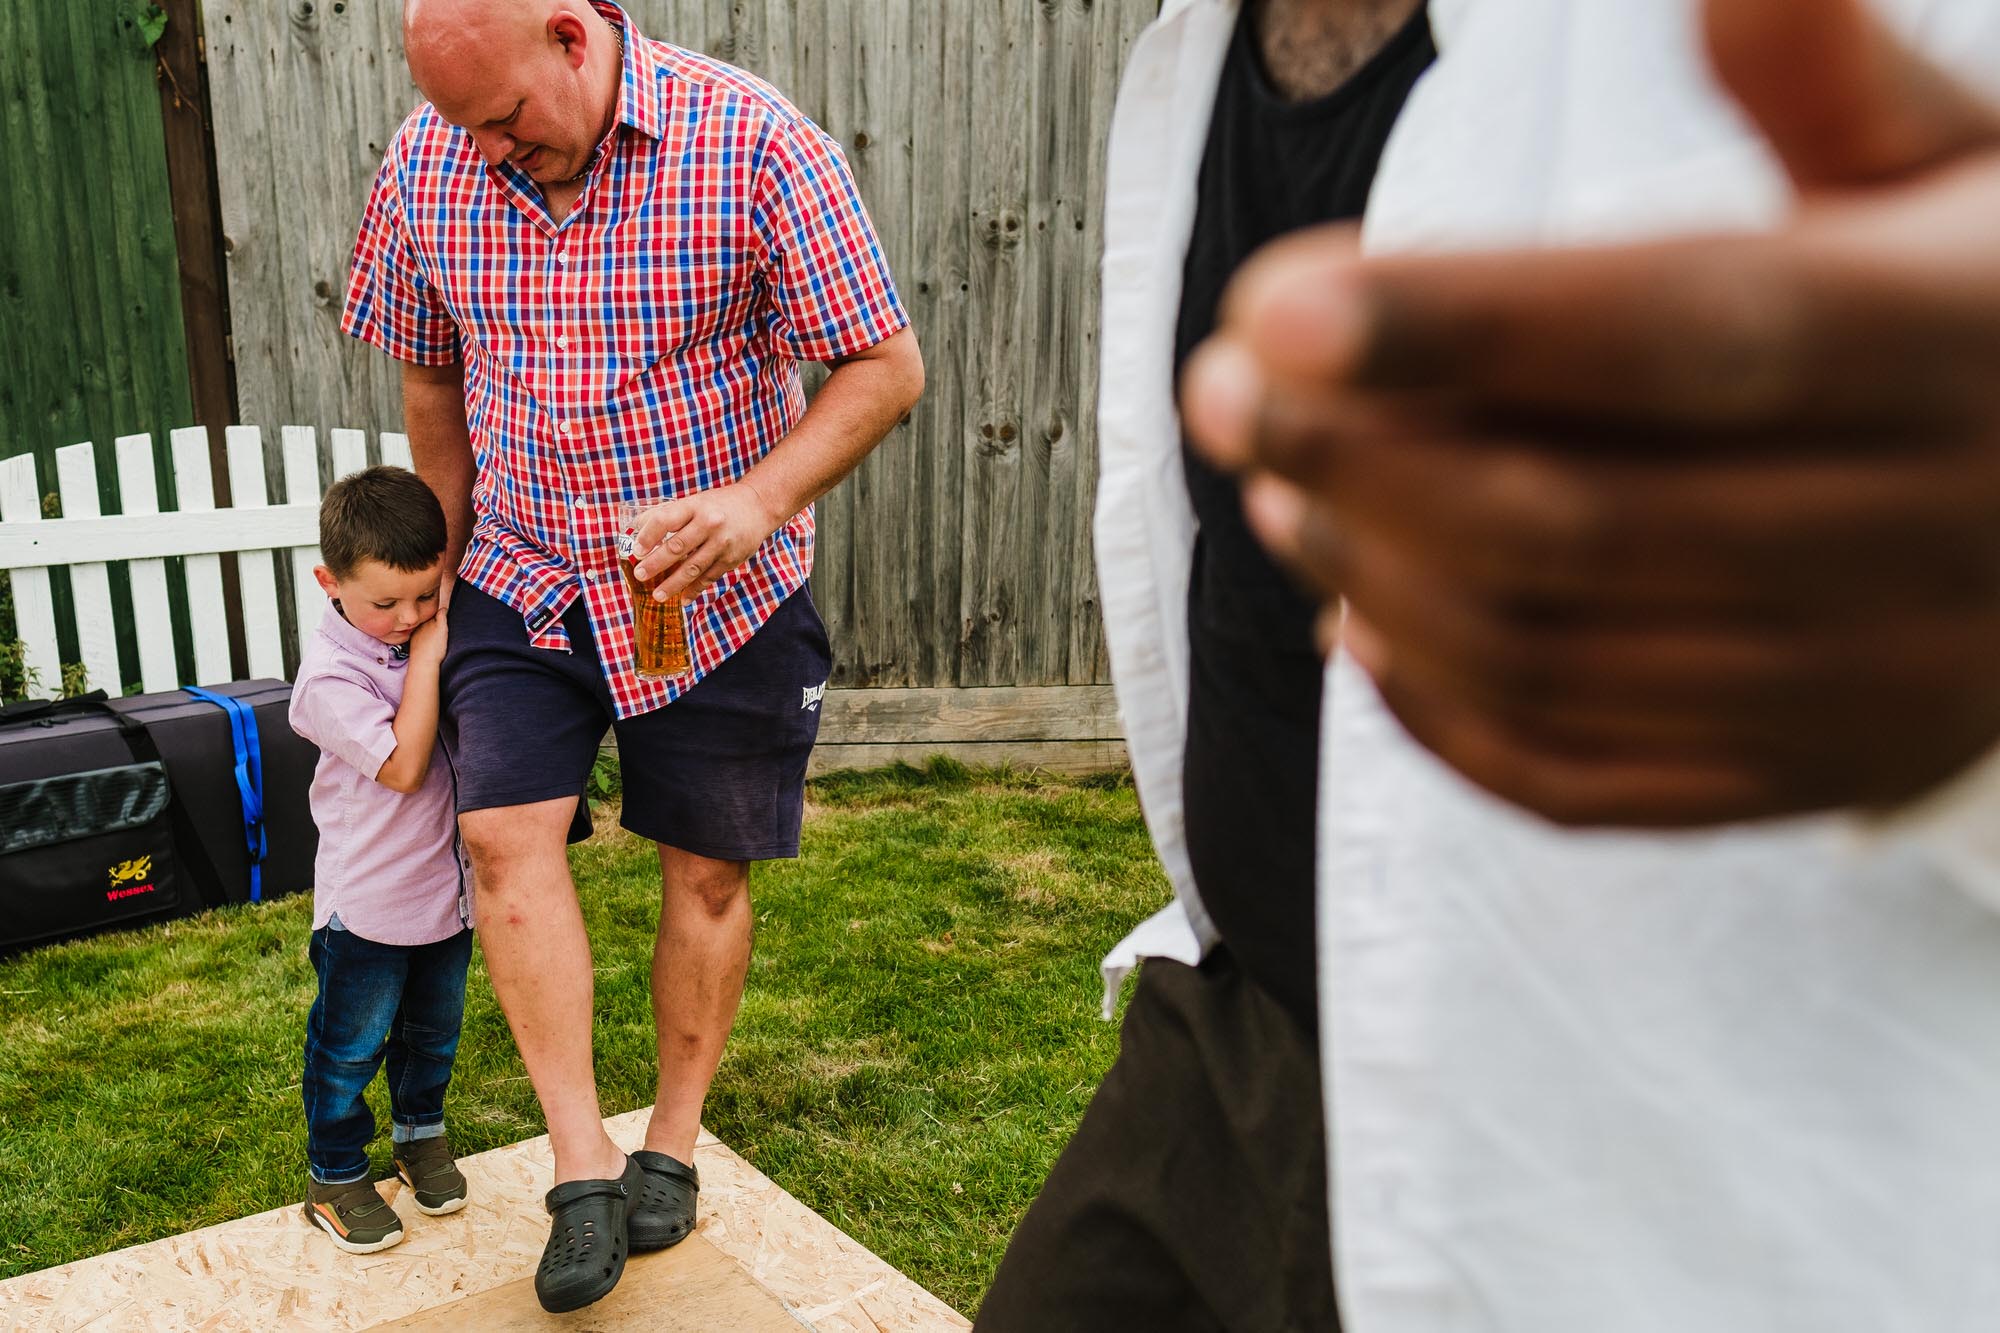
[[1676, 533]]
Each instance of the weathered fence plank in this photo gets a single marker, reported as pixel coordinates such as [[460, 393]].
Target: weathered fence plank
[[935, 285], [1088, 658], [152, 618], [256, 570], [89, 580], [194, 488], [350, 451], [997, 522], [1016, 713], [302, 487], [34, 599]]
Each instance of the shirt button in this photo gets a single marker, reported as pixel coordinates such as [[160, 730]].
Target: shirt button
[[561, 257], [562, 342], [562, 428], [582, 504]]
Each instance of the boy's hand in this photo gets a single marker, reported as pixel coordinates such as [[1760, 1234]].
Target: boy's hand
[[427, 641]]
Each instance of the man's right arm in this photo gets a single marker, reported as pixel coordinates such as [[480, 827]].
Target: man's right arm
[[441, 448]]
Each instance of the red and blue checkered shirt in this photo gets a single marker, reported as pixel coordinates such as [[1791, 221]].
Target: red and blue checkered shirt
[[646, 347]]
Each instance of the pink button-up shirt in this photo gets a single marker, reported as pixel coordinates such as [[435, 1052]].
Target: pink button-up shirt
[[389, 863]]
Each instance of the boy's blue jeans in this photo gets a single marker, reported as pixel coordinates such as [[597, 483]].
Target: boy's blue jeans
[[404, 1002]]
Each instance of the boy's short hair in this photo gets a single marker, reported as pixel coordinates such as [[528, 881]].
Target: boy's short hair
[[385, 514]]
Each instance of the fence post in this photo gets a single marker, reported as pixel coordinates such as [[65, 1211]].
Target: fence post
[[190, 150]]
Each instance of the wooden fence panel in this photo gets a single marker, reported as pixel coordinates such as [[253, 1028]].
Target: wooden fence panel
[[305, 98], [998, 516], [173, 557], [89, 279], [959, 554]]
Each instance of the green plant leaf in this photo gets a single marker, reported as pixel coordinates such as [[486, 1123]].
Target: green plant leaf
[[152, 24]]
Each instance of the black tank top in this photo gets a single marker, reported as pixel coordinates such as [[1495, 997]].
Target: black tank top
[[1252, 764]]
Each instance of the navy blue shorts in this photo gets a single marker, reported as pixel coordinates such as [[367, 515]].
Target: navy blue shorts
[[719, 772]]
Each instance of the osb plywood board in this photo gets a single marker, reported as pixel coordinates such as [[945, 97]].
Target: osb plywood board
[[274, 1271], [691, 1288]]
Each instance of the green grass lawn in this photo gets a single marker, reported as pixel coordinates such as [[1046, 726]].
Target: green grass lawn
[[917, 1040]]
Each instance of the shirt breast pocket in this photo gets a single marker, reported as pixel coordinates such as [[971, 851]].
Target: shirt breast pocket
[[665, 302]]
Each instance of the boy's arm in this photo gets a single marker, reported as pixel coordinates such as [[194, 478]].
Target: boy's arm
[[417, 720], [416, 733], [344, 717]]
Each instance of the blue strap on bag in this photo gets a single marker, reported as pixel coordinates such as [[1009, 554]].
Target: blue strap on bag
[[249, 778]]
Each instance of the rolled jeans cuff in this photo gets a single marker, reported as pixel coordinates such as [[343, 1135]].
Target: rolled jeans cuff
[[402, 1133]]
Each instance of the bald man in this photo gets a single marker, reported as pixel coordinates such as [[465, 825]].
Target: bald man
[[600, 259]]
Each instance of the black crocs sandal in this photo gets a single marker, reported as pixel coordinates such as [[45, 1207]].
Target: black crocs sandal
[[663, 1210], [585, 1255]]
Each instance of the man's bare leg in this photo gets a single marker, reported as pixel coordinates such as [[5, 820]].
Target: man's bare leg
[[699, 962], [539, 959]]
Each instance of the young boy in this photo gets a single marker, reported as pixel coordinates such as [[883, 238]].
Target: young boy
[[391, 918]]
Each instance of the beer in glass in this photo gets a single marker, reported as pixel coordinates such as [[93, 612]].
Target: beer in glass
[[659, 630]]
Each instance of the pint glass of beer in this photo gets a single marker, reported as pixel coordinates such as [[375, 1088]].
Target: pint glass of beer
[[659, 631]]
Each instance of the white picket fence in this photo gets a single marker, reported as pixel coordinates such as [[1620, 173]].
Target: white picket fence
[[265, 537]]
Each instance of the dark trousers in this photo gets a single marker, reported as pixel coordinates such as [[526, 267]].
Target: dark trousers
[[1193, 1196], [405, 1002]]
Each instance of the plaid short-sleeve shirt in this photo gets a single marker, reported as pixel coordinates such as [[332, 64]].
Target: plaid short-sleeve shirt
[[645, 347]]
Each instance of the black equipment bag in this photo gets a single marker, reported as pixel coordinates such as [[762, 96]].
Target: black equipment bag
[[195, 738], [199, 748], [91, 848]]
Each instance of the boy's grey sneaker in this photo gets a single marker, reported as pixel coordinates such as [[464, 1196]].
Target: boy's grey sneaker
[[353, 1216], [435, 1181]]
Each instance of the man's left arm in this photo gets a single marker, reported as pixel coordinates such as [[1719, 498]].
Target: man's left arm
[[829, 298], [702, 537]]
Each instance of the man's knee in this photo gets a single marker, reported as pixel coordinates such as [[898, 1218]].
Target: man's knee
[[715, 888], [518, 859], [510, 835]]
